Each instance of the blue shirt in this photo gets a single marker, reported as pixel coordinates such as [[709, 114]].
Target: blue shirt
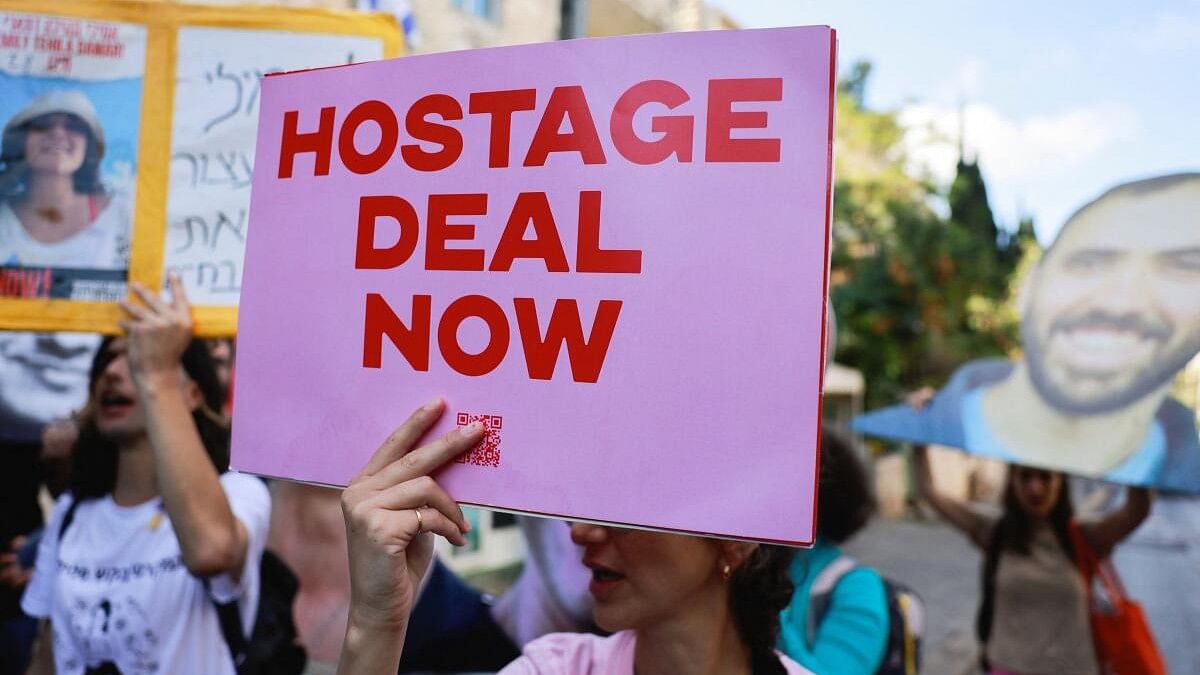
[[1140, 468], [852, 635]]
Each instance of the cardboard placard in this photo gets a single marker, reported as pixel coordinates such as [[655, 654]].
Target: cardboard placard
[[612, 251]]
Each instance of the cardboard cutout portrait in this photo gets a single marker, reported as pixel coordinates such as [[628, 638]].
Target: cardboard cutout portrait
[[1109, 316], [563, 249]]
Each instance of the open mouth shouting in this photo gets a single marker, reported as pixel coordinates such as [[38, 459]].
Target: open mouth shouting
[[115, 404]]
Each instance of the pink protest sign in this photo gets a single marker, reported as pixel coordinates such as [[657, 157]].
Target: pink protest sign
[[612, 251]]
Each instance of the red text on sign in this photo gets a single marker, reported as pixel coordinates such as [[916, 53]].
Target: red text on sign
[[438, 143], [530, 212], [564, 329]]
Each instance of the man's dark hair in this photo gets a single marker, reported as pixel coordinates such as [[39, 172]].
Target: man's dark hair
[[14, 169], [845, 500], [94, 457], [1136, 188]]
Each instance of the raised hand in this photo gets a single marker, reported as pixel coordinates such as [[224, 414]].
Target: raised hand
[[157, 331], [391, 509]]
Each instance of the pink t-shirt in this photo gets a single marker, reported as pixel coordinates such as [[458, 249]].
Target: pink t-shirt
[[585, 654]]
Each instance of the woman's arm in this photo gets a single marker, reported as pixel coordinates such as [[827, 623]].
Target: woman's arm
[[1110, 530], [42, 658], [211, 539], [956, 512], [392, 510]]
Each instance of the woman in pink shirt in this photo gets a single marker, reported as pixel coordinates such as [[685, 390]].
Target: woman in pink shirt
[[676, 603]]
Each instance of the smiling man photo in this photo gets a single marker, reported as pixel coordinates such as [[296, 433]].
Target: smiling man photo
[[1108, 317]]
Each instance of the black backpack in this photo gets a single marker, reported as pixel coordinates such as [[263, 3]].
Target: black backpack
[[273, 648], [906, 617]]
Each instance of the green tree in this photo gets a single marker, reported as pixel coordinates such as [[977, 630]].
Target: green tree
[[916, 294]]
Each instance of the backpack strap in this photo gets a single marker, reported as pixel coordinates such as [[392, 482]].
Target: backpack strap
[[820, 594], [68, 517], [231, 626], [987, 602]]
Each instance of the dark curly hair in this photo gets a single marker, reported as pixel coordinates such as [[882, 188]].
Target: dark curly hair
[[94, 457], [14, 170], [845, 500], [758, 592]]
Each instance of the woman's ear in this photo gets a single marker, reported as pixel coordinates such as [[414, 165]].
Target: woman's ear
[[735, 553]]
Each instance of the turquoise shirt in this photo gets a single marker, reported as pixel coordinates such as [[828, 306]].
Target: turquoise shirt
[[852, 636]]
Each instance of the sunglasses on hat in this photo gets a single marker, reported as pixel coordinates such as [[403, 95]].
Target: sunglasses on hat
[[48, 121]]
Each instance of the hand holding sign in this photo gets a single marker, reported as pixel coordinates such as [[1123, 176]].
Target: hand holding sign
[[392, 510]]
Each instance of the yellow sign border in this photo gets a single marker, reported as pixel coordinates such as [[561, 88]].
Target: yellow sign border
[[162, 22]]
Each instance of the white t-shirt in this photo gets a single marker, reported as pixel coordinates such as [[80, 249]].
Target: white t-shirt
[[104, 244], [116, 590]]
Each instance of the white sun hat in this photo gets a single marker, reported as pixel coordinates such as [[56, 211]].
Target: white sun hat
[[70, 101]]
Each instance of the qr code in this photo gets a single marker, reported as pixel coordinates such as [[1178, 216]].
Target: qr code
[[487, 453]]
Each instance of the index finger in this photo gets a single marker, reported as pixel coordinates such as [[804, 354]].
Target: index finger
[[402, 439], [428, 458], [179, 299]]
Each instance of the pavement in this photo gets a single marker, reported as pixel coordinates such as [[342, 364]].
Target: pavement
[[943, 568]]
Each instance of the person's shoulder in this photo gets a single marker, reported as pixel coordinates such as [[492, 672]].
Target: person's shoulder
[[1180, 470], [244, 487], [863, 577], [979, 373], [576, 652], [58, 513], [861, 588], [1179, 424], [791, 666], [112, 207], [234, 480]]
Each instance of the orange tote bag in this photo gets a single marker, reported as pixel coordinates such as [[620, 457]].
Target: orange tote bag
[[1124, 642]]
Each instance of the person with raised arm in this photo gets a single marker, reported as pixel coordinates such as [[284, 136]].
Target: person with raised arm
[[153, 534], [1034, 614]]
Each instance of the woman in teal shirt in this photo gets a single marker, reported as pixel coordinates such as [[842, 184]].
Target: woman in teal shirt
[[851, 635]]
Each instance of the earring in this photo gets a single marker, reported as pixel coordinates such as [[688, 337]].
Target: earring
[[726, 572]]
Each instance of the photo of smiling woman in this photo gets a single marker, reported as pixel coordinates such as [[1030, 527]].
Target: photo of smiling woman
[[56, 213]]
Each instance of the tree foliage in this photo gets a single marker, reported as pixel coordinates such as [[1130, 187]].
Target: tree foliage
[[916, 293]]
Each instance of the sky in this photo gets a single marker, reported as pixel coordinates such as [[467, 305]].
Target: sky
[[1060, 100]]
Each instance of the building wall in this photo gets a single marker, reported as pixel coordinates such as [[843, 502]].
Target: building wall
[[629, 17], [445, 26], [326, 4]]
